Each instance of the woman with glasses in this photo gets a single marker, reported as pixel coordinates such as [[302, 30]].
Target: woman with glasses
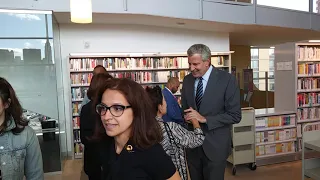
[[175, 137], [88, 118], [135, 152]]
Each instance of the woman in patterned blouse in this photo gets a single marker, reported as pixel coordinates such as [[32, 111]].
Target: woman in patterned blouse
[[175, 137]]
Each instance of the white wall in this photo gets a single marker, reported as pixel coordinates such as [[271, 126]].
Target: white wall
[[128, 38]]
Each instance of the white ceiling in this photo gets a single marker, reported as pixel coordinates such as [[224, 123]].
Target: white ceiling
[[252, 35]]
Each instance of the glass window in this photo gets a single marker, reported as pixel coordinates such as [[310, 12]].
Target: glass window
[[271, 65], [300, 5], [271, 80], [271, 87], [255, 75], [254, 54], [25, 25], [244, 1], [271, 74], [26, 51], [316, 6], [255, 65], [256, 83]]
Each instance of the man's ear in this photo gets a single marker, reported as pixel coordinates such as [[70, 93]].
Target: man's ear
[[7, 105]]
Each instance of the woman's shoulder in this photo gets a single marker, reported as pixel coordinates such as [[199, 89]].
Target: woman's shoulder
[[23, 139], [28, 132]]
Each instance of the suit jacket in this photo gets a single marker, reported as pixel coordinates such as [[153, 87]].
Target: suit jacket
[[174, 113], [220, 106]]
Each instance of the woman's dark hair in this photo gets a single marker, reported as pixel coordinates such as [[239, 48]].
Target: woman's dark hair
[[97, 80], [14, 111], [145, 128], [155, 94]]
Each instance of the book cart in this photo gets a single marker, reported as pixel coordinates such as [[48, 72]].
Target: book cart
[[311, 142], [243, 137]]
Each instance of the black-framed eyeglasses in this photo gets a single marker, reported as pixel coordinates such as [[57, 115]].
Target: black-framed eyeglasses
[[115, 110]]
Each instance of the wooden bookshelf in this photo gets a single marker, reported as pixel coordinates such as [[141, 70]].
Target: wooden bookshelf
[[148, 69]]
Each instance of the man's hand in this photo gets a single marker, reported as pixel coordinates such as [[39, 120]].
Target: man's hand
[[193, 114]]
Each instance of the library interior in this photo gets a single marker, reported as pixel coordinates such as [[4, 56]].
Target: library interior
[[48, 50]]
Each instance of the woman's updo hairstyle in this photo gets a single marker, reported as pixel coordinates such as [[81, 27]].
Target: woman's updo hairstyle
[[155, 94]]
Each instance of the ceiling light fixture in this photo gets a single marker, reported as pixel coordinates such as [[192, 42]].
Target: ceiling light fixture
[[81, 11], [314, 41]]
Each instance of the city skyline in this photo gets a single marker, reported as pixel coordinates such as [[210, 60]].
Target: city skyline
[[23, 29]]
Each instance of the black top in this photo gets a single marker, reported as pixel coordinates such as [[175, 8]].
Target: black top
[[133, 163], [87, 125]]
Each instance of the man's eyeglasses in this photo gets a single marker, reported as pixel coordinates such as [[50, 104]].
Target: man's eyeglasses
[[115, 110]]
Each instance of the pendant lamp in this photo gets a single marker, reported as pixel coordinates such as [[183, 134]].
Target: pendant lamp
[[81, 11]]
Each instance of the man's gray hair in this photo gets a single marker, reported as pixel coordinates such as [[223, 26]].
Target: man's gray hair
[[201, 49]]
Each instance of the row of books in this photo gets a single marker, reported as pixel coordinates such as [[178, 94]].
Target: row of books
[[145, 77], [88, 64], [309, 69], [275, 121], [140, 77], [277, 135], [308, 53], [81, 78], [76, 122], [308, 113], [220, 61], [78, 93], [78, 149], [308, 99], [76, 136], [308, 83], [129, 63], [76, 107], [272, 149], [309, 128]]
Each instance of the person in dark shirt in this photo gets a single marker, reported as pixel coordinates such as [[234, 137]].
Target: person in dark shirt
[[92, 166], [135, 151]]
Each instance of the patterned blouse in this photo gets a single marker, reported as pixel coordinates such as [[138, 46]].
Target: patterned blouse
[[175, 139]]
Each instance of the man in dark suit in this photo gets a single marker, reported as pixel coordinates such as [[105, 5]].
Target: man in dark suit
[[174, 113], [212, 97]]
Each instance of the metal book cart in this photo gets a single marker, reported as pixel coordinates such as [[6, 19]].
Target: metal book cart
[[310, 142], [243, 137]]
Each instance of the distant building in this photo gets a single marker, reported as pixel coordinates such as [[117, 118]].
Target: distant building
[[48, 52], [17, 59], [32, 55], [318, 6], [6, 56]]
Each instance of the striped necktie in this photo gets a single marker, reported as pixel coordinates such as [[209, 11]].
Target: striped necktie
[[199, 93]]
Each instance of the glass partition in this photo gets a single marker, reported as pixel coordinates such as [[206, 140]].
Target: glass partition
[[300, 5], [27, 61]]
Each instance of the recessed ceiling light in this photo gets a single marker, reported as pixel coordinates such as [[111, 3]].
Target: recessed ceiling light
[[181, 23], [314, 41]]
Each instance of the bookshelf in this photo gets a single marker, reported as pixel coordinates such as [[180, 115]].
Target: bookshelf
[[297, 86], [276, 135], [148, 69], [308, 86]]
